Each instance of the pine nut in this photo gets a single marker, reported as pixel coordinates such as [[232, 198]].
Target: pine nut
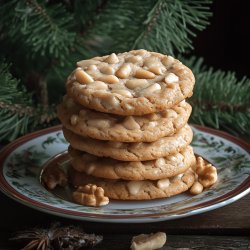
[[171, 78], [151, 88], [112, 59], [144, 74], [109, 79], [132, 84], [130, 123], [163, 183], [167, 61], [158, 70], [99, 123], [122, 92], [134, 59], [92, 67], [107, 70], [124, 71], [82, 77], [141, 52], [98, 85], [110, 102], [150, 61], [86, 63]]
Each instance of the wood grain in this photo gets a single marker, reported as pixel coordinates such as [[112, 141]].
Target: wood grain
[[233, 219]]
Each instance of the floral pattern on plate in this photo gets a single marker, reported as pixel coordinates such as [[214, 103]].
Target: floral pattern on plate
[[23, 161]]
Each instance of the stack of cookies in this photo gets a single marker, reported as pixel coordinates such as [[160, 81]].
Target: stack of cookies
[[125, 117]]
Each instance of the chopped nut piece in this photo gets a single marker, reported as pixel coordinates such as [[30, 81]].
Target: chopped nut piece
[[112, 59], [124, 71], [151, 88], [54, 176], [197, 188], [148, 241], [156, 70], [134, 83], [83, 77], [90, 195], [130, 123], [144, 74], [109, 79], [171, 78], [107, 70], [207, 173]]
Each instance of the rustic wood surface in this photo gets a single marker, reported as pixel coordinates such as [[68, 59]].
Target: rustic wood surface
[[228, 227]]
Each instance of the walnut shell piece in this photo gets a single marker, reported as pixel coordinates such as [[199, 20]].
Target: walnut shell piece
[[90, 195]]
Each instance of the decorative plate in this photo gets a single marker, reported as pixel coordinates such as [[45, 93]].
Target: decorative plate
[[22, 162]]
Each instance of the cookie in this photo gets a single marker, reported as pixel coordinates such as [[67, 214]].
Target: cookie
[[136, 190], [97, 125], [132, 151], [108, 168], [132, 83]]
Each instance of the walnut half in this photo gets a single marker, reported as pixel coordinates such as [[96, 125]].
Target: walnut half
[[90, 195], [207, 173], [206, 176]]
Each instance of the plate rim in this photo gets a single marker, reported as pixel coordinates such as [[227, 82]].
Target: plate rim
[[235, 194]]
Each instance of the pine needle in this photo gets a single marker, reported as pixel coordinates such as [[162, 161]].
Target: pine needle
[[220, 100]]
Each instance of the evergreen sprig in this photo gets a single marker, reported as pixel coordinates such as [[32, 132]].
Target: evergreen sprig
[[48, 37], [170, 25], [42, 31], [220, 100], [18, 113], [159, 25]]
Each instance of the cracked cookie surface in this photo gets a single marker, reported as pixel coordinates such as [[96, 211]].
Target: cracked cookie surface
[[160, 168], [104, 126], [132, 151], [132, 83], [137, 190]]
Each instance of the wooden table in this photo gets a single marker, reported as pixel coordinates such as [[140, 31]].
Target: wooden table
[[224, 228]]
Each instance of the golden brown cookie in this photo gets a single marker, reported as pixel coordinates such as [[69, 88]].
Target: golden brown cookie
[[161, 168], [136, 190], [132, 151], [132, 83], [147, 128]]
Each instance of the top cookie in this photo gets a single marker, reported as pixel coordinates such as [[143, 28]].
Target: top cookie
[[132, 83]]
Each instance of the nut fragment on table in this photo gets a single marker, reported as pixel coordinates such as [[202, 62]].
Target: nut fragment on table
[[54, 176], [148, 241], [90, 195]]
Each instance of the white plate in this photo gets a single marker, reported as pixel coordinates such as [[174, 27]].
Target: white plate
[[23, 160]]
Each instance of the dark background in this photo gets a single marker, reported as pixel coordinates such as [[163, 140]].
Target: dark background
[[225, 43]]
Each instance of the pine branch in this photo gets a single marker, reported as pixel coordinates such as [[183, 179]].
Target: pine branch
[[220, 100], [170, 25], [159, 25], [18, 114], [45, 31]]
